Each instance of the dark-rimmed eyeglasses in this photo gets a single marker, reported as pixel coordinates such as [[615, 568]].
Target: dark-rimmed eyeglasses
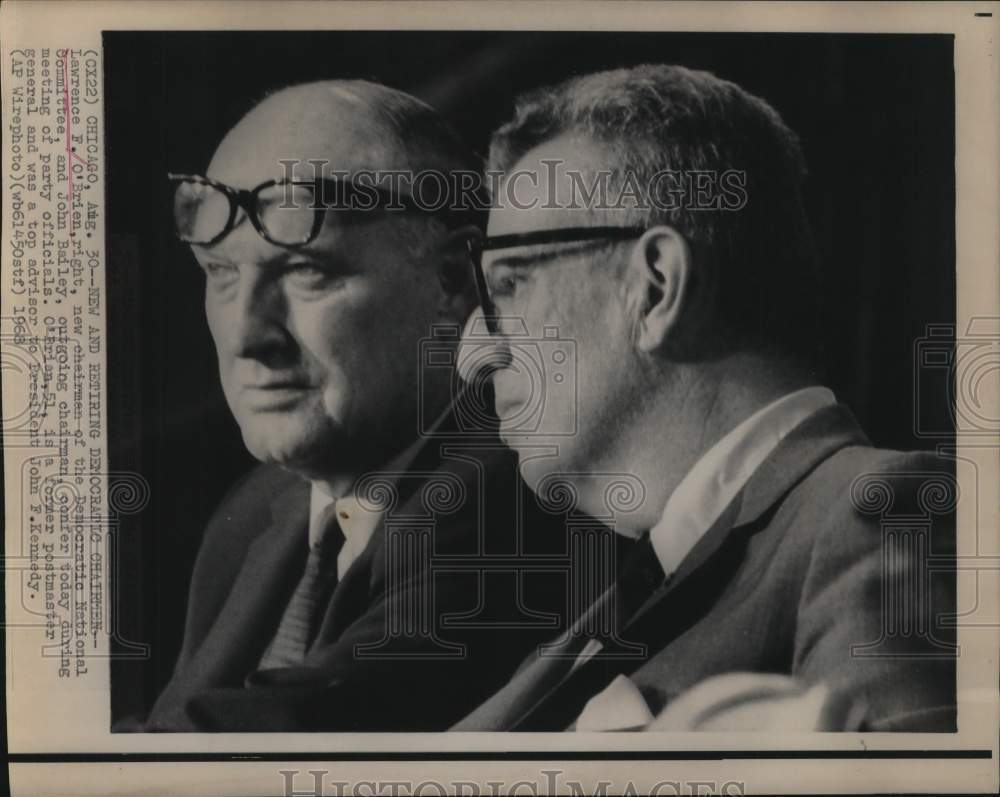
[[534, 238], [287, 213]]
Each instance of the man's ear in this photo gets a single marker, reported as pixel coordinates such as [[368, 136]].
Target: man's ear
[[661, 261]]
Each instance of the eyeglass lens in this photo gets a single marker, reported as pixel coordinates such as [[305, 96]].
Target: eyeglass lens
[[201, 211], [285, 212]]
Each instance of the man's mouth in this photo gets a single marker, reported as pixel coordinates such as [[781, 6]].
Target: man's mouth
[[277, 384], [275, 394]]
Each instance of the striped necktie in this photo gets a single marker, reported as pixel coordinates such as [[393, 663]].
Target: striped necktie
[[299, 622]]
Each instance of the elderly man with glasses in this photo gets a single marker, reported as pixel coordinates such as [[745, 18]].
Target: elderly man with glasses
[[314, 604], [661, 230]]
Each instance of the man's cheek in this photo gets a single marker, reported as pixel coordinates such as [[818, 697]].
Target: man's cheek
[[554, 303], [338, 392], [226, 377]]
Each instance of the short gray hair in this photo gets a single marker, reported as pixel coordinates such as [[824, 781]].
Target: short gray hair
[[656, 117]]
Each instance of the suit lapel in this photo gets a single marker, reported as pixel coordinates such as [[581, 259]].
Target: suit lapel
[[813, 441], [531, 683], [272, 567], [641, 589], [366, 574], [705, 570], [250, 615], [544, 674], [699, 558]]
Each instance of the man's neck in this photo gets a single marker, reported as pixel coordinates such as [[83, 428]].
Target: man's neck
[[336, 486], [675, 429], [338, 483], [341, 483]]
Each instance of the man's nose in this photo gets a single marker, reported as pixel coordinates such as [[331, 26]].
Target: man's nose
[[258, 318], [481, 352]]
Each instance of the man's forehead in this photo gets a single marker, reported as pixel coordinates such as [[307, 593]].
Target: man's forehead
[[546, 188], [303, 127]]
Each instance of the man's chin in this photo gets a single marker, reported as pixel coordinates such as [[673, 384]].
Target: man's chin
[[539, 462], [308, 453]]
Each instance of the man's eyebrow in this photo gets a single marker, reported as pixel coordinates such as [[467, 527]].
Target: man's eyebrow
[[279, 259], [517, 261]]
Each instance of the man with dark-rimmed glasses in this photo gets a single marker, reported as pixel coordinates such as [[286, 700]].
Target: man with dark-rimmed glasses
[[759, 557], [312, 605]]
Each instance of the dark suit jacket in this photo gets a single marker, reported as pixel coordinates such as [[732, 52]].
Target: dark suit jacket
[[481, 623], [833, 564]]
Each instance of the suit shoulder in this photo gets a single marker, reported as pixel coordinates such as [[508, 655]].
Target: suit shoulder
[[259, 487], [842, 502], [879, 536], [852, 461], [248, 502], [850, 479], [841, 510]]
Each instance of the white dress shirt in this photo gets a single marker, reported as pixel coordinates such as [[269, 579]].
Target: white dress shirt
[[705, 492], [357, 523], [716, 478], [357, 520]]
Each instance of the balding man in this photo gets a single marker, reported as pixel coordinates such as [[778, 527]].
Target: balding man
[[312, 604]]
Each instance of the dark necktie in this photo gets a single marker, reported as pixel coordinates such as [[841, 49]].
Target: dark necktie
[[301, 618], [646, 619]]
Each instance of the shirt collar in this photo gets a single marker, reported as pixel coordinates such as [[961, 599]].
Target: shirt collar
[[724, 469], [357, 519]]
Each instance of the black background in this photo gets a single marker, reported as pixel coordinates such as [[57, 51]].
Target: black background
[[875, 114]]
